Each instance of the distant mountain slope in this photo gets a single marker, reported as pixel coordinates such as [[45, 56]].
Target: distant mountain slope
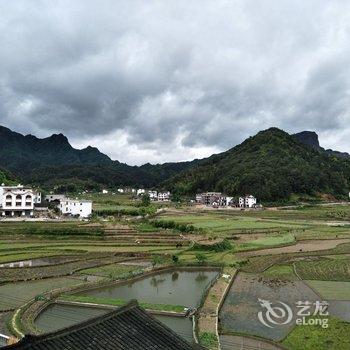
[[53, 161], [271, 165], [19, 152], [310, 138]]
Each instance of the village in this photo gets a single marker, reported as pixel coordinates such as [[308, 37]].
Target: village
[[26, 202]]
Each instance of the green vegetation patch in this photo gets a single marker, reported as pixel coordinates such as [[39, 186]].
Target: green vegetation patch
[[331, 290], [280, 271], [324, 270], [121, 302], [208, 339], [216, 222], [305, 337], [276, 240]]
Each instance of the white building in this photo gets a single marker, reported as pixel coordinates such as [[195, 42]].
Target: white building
[[18, 200], [248, 201], [120, 190], [153, 195], [215, 199], [75, 207], [104, 191], [141, 191], [163, 196], [55, 197]]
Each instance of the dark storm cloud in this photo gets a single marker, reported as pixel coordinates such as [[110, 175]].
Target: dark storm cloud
[[163, 80]]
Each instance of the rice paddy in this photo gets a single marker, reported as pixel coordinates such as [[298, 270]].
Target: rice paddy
[[300, 253]]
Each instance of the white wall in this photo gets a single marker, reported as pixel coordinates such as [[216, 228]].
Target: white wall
[[75, 207]]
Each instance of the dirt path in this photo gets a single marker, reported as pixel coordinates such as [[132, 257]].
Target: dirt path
[[237, 342], [306, 246]]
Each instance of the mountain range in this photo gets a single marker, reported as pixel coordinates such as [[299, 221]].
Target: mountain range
[[273, 165]]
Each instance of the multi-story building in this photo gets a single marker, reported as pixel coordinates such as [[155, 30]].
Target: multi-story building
[[75, 207], [214, 199], [18, 200], [153, 195], [141, 191], [247, 201], [163, 196]]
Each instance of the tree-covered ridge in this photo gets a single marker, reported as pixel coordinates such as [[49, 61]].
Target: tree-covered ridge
[[271, 165], [52, 161], [6, 178]]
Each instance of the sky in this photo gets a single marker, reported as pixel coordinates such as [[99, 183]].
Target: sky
[[157, 81]]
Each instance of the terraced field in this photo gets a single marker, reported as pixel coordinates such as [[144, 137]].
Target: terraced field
[[326, 269], [294, 253]]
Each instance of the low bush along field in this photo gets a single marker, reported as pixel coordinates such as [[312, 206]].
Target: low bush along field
[[325, 269]]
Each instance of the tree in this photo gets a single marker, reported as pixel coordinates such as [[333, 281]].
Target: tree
[[146, 200], [201, 258], [157, 260], [175, 259]]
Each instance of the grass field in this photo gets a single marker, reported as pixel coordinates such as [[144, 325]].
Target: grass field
[[331, 290], [335, 337], [217, 223], [280, 271]]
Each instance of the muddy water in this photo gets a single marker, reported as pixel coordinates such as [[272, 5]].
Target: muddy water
[[58, 316], [176, 288], [37, 262], [340, 309], [241, 308]]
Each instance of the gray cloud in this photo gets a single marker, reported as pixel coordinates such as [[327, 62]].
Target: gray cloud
[[162, 80]]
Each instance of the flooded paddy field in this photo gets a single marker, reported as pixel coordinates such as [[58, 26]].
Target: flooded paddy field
[[239, 312], [39, 262], [340, 309], [176, 287], [13, 295]]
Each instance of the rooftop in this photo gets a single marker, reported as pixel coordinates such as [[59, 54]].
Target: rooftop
[[127, 328]]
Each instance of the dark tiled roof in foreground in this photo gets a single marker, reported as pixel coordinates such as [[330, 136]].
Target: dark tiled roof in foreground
[[128, 327]]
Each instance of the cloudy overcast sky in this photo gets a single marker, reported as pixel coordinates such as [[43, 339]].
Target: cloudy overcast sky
[[155, 81]]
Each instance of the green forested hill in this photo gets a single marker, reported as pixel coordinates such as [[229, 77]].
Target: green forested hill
[[272, 165], [6, 178], [52, 161]]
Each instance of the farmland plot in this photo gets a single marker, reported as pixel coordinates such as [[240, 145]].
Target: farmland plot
[[324, 270], [240, 309]]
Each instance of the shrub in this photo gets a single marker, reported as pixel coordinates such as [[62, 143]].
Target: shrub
[[217, 247], [169, 224]]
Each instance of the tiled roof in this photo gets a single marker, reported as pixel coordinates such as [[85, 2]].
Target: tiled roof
[[127, 328]]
